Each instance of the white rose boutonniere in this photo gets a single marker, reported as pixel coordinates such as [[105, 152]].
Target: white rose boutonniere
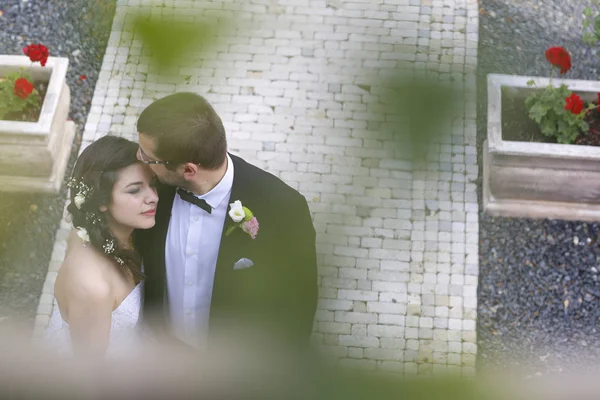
[[243, 218], [237, 211]]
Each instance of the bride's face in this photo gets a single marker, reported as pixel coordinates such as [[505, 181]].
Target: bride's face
[[134, 198]]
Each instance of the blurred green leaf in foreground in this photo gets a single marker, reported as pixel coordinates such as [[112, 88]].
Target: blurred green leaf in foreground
[[175, 41], [427, 108]]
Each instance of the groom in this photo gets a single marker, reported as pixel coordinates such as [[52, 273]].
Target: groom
[[233, 246]]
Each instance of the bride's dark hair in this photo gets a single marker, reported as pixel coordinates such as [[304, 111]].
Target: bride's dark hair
[[94, 175]]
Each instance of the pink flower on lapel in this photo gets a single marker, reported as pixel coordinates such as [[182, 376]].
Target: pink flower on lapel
[[251, 227]]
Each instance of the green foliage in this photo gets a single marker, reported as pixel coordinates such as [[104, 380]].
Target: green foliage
[[10, 103], [547, 108], [591, 24]]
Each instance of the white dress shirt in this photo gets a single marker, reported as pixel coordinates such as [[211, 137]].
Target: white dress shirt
[[192, 249]]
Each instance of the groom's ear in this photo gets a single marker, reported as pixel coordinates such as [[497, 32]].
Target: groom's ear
[[189, 170]]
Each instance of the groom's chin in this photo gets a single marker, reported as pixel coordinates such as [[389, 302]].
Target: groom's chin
[[172, 180]]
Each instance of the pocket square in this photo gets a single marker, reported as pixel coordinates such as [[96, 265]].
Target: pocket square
[[243, 263]]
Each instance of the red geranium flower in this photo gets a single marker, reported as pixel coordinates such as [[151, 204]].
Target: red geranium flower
[[37, 52], [23, 88], [574, 103], [598, 101], [559, 57]]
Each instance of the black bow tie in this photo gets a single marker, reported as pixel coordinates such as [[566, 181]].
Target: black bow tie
[[190, 198]]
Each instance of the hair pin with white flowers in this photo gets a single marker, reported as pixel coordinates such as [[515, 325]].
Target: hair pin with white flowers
[[83, 191]]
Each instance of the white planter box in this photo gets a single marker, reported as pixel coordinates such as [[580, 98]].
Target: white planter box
[[34, 155], [538, 180]]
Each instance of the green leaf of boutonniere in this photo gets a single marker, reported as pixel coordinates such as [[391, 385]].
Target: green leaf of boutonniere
[[247, 214]]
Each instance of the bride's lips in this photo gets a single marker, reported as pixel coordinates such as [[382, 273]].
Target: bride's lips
[[150, 213]]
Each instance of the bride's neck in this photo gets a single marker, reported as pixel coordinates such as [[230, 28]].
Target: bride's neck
[[123, 235]]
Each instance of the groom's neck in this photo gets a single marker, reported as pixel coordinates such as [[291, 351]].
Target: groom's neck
[[208, 180]]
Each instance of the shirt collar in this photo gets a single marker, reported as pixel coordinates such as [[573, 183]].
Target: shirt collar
[[217, 194]]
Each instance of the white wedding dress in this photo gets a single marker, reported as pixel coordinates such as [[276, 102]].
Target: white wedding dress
[[127, 335]]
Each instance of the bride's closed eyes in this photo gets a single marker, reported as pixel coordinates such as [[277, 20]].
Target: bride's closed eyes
[[138, 189], [134, 187]]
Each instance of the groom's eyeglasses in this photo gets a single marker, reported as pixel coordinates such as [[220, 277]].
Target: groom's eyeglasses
[[144, 158]]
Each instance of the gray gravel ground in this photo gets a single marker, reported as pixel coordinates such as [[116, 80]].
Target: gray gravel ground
[[539, 289], [79, 30]]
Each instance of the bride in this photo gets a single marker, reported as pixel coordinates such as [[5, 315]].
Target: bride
[[99, 285]]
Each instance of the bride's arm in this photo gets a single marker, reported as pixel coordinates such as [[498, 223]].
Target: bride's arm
[[89, 314]]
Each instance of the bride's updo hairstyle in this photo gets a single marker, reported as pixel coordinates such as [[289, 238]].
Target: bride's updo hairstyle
[[95, 173]]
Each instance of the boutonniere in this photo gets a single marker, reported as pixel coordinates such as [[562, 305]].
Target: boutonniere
[[242, 218]]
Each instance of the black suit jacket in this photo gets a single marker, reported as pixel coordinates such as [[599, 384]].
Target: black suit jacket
[[279, 291]]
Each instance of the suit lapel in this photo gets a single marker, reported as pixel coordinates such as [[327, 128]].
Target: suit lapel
[[230, 245], [239, 191]]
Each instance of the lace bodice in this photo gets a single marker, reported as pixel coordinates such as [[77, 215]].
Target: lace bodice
[[125, 330]]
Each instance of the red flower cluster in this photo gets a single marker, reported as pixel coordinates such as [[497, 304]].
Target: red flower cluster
[[559, 57], [23, 88], [37, 52], [574, 103]]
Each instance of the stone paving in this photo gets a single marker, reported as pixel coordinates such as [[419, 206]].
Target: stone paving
[[397, 243]]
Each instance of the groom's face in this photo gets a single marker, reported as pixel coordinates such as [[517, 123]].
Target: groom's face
[[146, 154]]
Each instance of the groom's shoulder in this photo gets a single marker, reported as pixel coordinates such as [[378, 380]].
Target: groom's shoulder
[[265, 181]]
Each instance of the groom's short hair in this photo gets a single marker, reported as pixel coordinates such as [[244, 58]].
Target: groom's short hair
[[185, 128]]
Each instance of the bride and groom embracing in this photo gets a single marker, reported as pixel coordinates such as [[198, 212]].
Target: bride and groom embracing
[[177, 241]]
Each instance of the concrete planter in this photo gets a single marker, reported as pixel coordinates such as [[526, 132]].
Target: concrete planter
[[34, 155], [538, 180]]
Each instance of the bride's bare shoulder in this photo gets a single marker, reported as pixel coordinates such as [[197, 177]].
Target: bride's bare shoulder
[[84, 272]]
